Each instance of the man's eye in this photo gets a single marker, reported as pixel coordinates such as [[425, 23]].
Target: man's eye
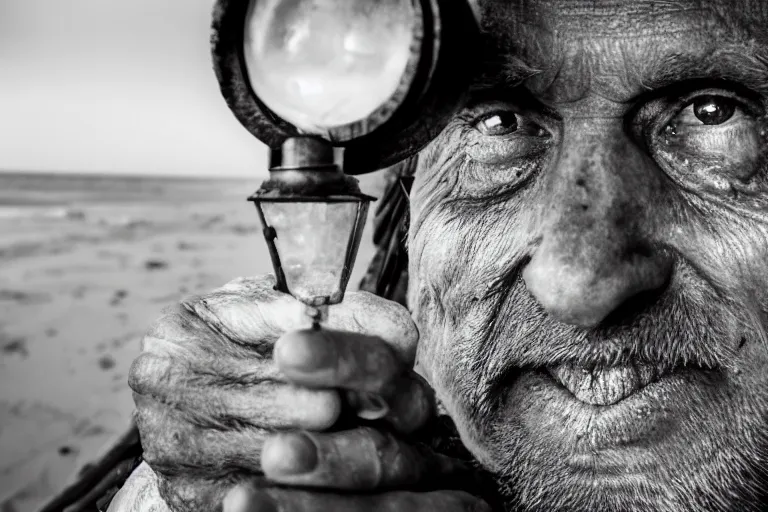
[[713, 110], [499, 135], [707, 111], [714, 142], [499, 123]]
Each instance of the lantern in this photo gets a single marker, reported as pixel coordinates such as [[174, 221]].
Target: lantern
[[313, 218], [336, 87], [378, 78]]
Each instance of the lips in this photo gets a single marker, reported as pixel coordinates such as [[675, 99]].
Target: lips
[[605, 385]]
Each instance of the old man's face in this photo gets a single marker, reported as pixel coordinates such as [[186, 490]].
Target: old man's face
[[589, 255]]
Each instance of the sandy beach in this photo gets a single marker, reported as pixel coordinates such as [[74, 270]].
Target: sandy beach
[[85, 267]]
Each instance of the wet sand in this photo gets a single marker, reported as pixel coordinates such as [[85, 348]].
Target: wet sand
[[81, 278]]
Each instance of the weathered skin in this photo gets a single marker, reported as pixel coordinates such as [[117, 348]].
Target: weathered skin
[[578, 219], [605, 239], [231, 393]]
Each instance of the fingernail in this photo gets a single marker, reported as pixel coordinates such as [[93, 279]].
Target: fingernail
[[244, 498], [368, 406], [288, 455], [304, 352]]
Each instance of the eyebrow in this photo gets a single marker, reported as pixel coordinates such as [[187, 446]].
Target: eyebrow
[[744, 64], [499, 71]]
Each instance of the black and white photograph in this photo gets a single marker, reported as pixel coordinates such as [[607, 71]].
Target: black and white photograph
[[383, 255]]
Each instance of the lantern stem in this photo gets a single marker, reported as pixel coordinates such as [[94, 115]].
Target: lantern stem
[[318, 314]]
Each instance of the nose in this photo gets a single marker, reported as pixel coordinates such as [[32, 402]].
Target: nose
[[596, 223]]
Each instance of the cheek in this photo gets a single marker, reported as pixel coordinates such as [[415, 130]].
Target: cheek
[[461, 259], [459, 245], [727, 246]]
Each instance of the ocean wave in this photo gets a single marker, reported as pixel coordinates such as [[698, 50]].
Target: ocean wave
[[38, 212]]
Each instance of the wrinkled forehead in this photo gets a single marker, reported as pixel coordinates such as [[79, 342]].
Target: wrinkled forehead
[[569, 39], [618, 18]]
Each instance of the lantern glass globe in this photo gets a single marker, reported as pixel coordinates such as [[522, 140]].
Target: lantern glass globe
[[322, 64], [317, 244]]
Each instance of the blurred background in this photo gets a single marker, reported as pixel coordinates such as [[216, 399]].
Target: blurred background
[[115, 86], [123, 179]]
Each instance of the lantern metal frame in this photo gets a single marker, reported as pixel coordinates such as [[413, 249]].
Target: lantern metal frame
[[433, 86], [353, 244], [309, 174], [419, 51]]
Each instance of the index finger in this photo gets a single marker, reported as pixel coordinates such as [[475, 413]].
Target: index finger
[[250, 312], [326, 358], [247, 311], [361, 364]]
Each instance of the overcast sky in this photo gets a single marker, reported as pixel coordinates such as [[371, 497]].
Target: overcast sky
[[115, 86]]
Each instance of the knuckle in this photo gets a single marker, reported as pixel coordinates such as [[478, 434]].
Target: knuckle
[[172, 323], [153, 375], [143, 373], [179, 331], [139, 373], [392, 322], [405, 334], [248, 320]]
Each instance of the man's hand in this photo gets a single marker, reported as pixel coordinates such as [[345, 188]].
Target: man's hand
[[227, 389]]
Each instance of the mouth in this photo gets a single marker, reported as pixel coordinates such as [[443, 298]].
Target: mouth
[[586, 409], [605, 386]]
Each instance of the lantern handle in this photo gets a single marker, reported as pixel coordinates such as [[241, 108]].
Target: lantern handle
[[270, 235]]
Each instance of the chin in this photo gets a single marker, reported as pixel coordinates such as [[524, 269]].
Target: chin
[[661, 408], [687, 439]]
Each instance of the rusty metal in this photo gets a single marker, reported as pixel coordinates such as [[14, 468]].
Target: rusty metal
[[432, 89]]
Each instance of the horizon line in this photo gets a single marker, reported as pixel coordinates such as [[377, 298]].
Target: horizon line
[[138, 174]]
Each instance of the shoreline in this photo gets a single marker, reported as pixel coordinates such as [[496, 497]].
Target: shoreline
[[77, 291]]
